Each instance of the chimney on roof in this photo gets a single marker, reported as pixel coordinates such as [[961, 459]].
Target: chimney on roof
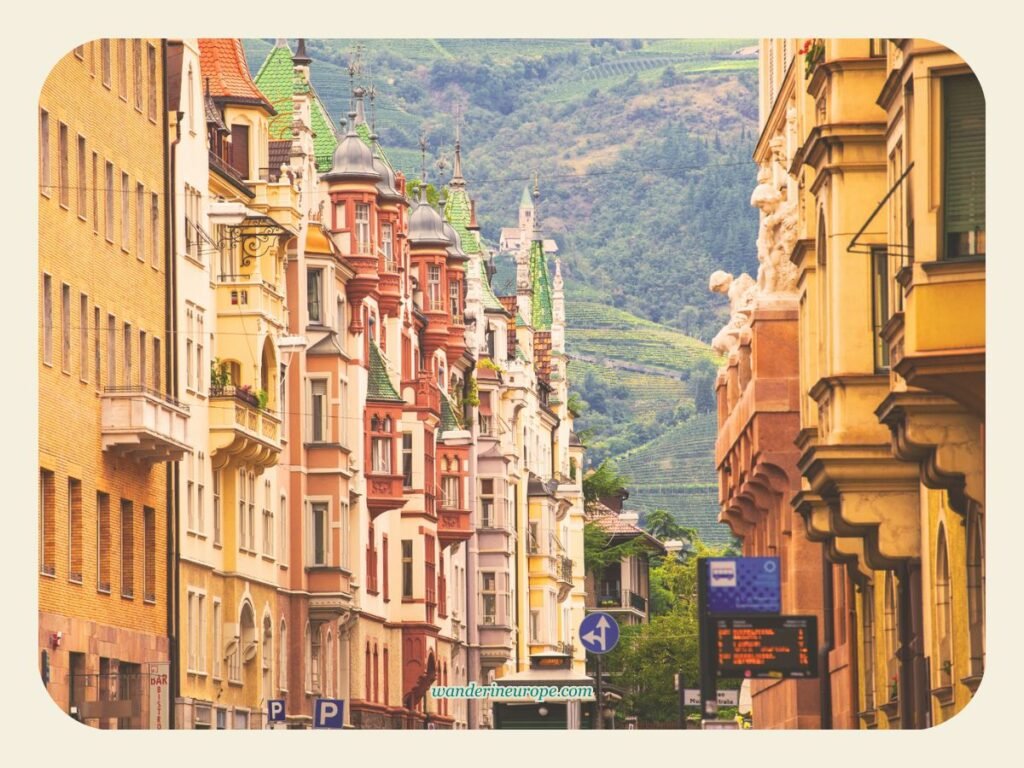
[[633, 518]]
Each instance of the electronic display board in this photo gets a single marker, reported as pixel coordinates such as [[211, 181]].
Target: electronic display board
[[766, 646]]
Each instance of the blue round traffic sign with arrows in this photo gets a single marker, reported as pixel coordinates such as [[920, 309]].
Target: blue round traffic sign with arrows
[[599, 632]]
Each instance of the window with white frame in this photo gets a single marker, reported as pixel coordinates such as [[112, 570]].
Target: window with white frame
[[407, 459], [217, 517], [197, 631], [314, 295], [319, 532], [362, 227], [190, 515], [387, 245], [435, 304], [380, 445], [489, 597], [282, 539], [487, 509], [318, 410]]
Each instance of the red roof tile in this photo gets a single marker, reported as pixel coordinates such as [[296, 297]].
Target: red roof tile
[[224, 67]]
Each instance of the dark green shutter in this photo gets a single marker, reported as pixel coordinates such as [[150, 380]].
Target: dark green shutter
[[963, 155]]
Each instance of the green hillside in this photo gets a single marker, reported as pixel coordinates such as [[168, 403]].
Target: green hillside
[[674, 472]]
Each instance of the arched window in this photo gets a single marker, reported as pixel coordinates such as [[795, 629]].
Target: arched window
[[976, 589], [943, 612], [268, 656]]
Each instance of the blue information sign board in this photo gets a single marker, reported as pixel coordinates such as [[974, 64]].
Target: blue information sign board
[[743, 585]]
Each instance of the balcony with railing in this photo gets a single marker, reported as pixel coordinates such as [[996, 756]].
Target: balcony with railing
[[141, 423], [241, 432], [622, 600]]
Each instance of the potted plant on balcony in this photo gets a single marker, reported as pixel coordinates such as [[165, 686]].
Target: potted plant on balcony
[[262, 398], [220, 377]]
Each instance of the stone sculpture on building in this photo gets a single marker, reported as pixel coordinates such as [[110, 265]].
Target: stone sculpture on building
[[742, 292]]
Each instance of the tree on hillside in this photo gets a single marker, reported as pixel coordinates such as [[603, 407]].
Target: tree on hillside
[[662, 525], [603, 482]]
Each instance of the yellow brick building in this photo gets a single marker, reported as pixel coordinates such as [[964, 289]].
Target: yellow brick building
[[884, 243], [106, 429]]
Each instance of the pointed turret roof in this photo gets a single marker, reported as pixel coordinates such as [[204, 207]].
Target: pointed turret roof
[[540, 280], [526, 201], [379, 387], [279, 81]]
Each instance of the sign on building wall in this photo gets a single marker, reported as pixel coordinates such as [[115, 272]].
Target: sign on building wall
[[159, 694], [743, 585]]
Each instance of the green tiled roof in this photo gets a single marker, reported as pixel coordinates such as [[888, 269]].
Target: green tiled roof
[[278, 81], [379, 386], [520, 322], [490, 301], [526, 201], [541, 282], [458, 213], [504, 282], [448, 421]]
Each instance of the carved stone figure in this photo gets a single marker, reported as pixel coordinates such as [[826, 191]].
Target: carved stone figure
[[776, 237], [741, 292]]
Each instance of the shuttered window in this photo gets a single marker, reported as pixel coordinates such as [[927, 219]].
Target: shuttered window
[[963, 166], [240, 149]]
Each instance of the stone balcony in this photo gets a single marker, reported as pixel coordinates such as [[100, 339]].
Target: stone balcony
[[142, 424], [242, 433]]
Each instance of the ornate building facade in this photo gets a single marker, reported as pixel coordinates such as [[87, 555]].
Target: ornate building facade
[[885, 373]]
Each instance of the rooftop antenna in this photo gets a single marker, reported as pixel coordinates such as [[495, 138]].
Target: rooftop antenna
[[423, 167]]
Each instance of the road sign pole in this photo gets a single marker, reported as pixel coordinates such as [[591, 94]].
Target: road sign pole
[[600, 696], [708, 683]]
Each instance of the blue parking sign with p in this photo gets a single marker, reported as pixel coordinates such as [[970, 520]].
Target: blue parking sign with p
[[328, 713], [275, 710]]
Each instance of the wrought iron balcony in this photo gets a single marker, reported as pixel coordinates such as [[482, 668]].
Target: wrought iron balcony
[[565, 572], [141, 423]]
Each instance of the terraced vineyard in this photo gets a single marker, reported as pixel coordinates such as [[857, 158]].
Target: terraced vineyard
[[676, 472], [603, 332]]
